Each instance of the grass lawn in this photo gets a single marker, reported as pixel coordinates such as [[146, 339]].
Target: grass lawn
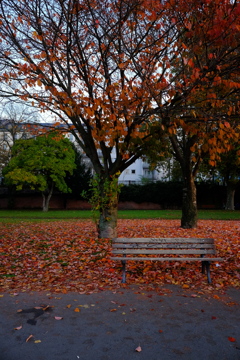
[[13, 216]]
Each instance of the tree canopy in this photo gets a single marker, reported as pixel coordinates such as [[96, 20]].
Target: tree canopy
[[106, 67], [41, 163]]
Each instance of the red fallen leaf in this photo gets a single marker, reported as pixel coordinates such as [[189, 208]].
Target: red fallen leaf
[[58, 317], [30, 336], [112, 310], [232, 339], [18, 327], [138, 349], [213, 317], [160, 331]]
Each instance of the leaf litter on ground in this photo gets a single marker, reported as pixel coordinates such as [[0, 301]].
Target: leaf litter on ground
[[68, 256]]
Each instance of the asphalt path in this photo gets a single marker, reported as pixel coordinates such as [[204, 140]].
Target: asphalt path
[[126, 324]]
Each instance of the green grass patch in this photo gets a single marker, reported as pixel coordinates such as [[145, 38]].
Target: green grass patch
[[14, 216], [176, 214]]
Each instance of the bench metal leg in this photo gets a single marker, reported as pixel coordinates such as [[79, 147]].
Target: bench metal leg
[[206, 265], [123, 271], [203, 264]]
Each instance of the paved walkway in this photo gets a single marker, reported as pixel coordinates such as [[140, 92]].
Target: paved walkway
[[170, 323]]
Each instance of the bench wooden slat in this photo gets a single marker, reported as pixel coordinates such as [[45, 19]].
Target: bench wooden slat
[[163, 246], [164, 240], [166, 258], [148, 251]]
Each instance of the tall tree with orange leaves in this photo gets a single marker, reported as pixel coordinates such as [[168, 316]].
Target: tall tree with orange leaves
[[203, 115], [206, 121], [107, 67]]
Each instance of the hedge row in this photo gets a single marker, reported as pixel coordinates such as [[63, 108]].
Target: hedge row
[[169, 194]]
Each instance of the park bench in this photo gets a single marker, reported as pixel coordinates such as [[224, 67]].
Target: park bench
[[164, 249]]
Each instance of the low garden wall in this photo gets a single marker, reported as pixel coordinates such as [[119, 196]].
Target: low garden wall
[[58, 202]]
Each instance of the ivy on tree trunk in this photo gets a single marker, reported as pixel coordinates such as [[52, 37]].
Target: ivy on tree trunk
[[104, 200]]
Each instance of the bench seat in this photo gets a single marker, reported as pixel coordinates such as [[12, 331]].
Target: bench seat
[[175, 249]]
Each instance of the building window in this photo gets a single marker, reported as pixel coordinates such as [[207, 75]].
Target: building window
[[133, 171]]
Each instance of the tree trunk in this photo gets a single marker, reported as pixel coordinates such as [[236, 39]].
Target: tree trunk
[[107, 225], [46, 199], [230, 196], [189, 205], [104, 199]]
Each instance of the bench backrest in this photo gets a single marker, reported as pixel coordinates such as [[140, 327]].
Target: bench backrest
[[182, 246]]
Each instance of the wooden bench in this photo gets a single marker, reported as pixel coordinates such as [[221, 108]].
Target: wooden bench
[[164, 249]]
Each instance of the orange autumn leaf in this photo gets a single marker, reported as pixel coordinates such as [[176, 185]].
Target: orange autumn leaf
[[29, 338]]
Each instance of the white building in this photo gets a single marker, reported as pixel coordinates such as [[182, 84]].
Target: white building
[[139, 172]]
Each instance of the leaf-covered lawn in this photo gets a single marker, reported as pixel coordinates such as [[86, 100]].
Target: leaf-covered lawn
[[67, 256]]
